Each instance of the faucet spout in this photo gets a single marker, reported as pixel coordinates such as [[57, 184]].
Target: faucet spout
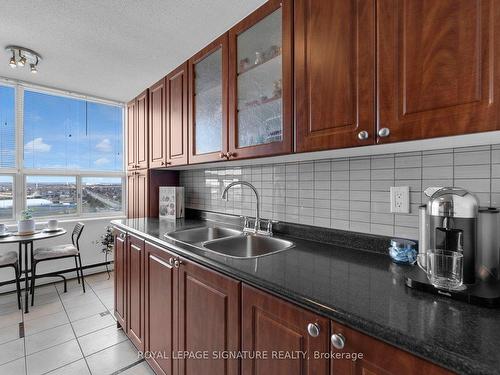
[[257, 210]]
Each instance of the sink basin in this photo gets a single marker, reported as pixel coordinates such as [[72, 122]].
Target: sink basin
[[248, 246], [197, 235]]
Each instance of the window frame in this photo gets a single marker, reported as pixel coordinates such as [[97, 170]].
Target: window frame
[[20, 173]]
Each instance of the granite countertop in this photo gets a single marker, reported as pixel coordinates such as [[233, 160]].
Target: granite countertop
[[362, 289]]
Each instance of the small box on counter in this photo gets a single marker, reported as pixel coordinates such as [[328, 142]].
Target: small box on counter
[[171, 202]]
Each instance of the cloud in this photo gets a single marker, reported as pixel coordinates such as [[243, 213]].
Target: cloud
[[101, 161], [104, 145], [37, 145]]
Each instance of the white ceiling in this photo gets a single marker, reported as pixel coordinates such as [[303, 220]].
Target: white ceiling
[[111, 49]]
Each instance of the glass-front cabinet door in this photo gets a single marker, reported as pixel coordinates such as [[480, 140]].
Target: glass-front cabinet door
[[208, 103], [260, 76]]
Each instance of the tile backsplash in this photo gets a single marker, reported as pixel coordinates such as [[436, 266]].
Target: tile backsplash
[[351, 193]]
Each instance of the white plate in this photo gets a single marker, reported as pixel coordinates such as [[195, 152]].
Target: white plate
[[6, 234], [47, 230]]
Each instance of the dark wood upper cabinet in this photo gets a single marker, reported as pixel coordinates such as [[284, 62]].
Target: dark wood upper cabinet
[[138, 193], [131, 195], [334, 66], [131, 135], [157, 127], [378, 358], [160, 296], [142, 109], [208, 89], [271, 324], [135, 295], [137, 132], [438, 68], [209, 319], [260, 82], [177, 115], [120, 277]]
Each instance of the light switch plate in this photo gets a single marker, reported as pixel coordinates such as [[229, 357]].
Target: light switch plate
[[400, 199]]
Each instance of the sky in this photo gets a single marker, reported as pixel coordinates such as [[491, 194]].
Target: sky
[[68, 133]]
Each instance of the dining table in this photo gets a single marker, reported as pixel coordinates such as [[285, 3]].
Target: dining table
[[25, 242]]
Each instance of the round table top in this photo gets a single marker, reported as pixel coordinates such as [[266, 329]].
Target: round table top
[[38, 235]]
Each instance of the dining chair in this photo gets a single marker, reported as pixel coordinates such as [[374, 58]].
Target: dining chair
[[10, 259], [42, 254]]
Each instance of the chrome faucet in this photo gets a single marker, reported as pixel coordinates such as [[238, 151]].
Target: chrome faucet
[[256, 228]]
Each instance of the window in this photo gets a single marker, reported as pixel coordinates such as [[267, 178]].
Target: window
[[7, 128], [101, 194], [51, 195], [68, 160], [71, 134], [6, 198]]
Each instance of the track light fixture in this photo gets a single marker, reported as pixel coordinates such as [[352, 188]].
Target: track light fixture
[[22, 56], [12, 62]]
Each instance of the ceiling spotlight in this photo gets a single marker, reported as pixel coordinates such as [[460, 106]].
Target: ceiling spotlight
[[12, 62], [21, 61], [26, 56]]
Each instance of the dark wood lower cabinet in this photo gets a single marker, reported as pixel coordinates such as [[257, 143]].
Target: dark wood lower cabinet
[[271, 325], [209, 319], [120, 277], [174, 309], [160, 295], [135, 291], [378, 358]]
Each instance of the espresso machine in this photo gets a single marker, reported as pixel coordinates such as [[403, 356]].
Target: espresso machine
[[452, 220]]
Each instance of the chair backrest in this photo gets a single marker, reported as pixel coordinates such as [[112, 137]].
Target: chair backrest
[[77, 232]]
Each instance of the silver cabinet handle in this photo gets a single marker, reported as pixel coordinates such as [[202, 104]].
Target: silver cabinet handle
[[122, 236], [338, 340], [384, 132], [171, 261], [313, 329], [177, 263], [363, 135]]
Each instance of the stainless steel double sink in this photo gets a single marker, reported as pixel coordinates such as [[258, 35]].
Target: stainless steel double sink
[[231, 242]]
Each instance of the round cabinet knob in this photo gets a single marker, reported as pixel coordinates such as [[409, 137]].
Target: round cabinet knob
[[177, 263], [171, 261], [338, 341], [313, 329], [162, 163], [363, 135], [230, 155], [222, 155], [122, 236], [384, 132]]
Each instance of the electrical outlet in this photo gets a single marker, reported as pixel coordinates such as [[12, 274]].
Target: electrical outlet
[[400, 199]]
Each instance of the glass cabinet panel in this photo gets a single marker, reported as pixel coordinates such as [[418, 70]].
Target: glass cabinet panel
[[208, 104], [259, 82]]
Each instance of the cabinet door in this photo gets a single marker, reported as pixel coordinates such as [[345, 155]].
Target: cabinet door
[[131, 195], [157, 127], [160, 299], [120, 280], [208, 76], [135, 295], [208, 319], [438, 68], [260, 81], [378, 358], [131, 135], [334, 66], [142, 193], [271, 324], [177, 116], [142, 140]]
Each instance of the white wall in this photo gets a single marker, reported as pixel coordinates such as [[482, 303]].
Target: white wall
[[90, 253]]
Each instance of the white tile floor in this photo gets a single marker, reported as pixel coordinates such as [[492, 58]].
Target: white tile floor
[[67, 333]]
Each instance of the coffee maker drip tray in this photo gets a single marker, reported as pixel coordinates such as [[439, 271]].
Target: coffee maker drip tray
[[483, 293]]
